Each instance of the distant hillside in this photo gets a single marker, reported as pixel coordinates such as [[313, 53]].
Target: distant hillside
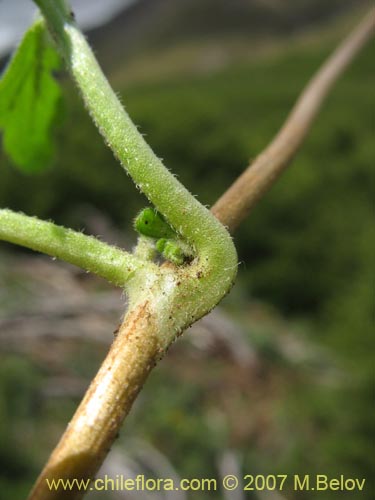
[[161, 23]]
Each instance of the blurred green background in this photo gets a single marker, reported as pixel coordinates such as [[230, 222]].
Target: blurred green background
[[210, 87]]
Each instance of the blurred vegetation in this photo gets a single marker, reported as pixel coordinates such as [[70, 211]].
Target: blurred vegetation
[[307, 250]]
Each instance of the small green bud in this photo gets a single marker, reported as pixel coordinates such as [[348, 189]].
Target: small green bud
[[160, 245], [171, 251], [151, 223]]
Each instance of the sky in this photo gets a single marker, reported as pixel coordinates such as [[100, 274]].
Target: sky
[[17, 15]]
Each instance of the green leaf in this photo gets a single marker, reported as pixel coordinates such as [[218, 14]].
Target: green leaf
[[29, 101]]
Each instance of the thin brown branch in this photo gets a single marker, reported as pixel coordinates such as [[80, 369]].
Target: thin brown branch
[[237, 202]]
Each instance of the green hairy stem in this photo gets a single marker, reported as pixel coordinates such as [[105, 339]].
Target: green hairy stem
[[87, 252], [215, 253]]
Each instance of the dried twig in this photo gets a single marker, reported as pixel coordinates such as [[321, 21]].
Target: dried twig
[[236, 203]]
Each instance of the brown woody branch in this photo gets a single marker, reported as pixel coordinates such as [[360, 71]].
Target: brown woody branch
[[237, 202], [96, 423]]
